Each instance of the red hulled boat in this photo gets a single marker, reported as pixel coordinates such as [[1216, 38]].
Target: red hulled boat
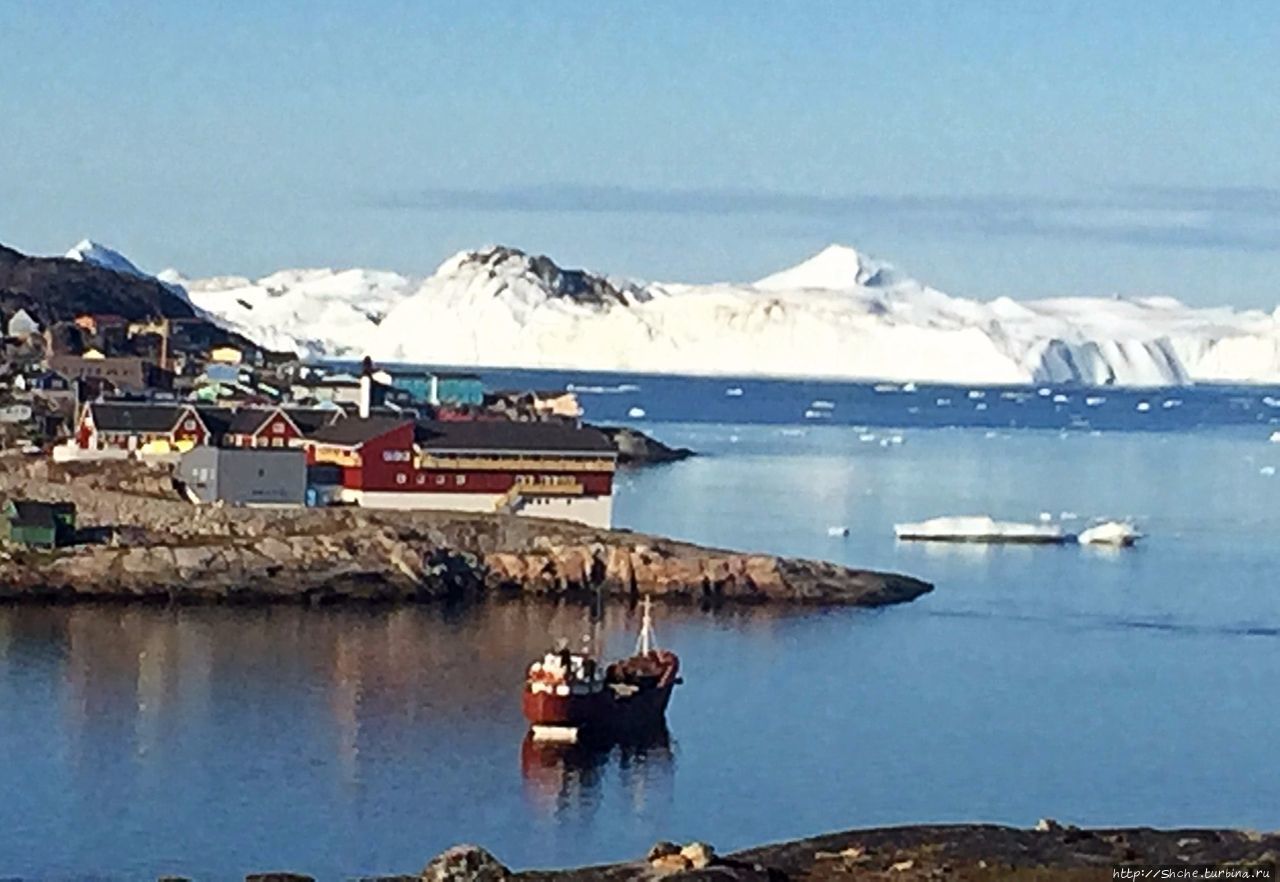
[[568, 696]]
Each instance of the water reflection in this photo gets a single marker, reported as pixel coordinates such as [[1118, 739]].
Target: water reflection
[[563, 778]]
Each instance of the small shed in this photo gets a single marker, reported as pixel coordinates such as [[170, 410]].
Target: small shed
[[39, 524]]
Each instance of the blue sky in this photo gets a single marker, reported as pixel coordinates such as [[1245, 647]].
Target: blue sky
[[1000, 148]]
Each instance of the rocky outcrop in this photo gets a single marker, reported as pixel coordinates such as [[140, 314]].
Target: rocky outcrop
[[145, 543], [636, 448], [967, 852]]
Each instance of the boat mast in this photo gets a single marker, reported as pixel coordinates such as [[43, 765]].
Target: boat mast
[[647, 640]]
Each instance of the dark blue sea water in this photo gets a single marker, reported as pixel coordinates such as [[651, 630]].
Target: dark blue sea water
[[1094, 686]]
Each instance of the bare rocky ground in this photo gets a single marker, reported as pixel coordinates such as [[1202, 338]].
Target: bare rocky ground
[[966, 852], [140, 540]]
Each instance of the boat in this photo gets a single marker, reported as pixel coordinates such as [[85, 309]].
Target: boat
[[570, 697]]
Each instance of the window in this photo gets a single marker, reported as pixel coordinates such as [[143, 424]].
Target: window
[[422, 479], [461, 479], [262, 473], [189, 425], [278, 428], [439, 479], [401, 478], [277, 442]]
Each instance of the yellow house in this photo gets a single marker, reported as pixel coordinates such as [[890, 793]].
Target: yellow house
[[226, 355]]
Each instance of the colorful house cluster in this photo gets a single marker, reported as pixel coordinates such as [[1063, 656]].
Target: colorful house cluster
[[372, 459]]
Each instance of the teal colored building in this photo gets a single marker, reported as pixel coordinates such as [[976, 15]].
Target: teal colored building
[[430, 387], [39, 524]]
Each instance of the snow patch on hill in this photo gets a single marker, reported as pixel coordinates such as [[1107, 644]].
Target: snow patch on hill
[[88, 251], [839, 314]]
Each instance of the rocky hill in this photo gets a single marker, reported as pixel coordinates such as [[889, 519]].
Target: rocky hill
[[57, 289]]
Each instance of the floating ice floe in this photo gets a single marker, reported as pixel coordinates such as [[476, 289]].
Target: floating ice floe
[[1044, 391], [812, 414], [981, 405], [1275, 437], [734, 392], [866, 437], [636, 413], [944, 402], [979, 528], [837, 531], [976, 394], [1143, 406], [1060, 399], [1171, 403], [602, 390], [908, 387], [1118, 533], [1267, 470], [819, 404]]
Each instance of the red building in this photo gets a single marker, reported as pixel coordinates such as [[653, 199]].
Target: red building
[[118, 425], [276, 426], [543, 469]]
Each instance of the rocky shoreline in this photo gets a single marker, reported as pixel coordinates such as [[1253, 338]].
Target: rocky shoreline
[[965, 852], [141, 542]]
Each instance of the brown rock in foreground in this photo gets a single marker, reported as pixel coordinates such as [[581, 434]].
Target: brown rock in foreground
[[142, 542]]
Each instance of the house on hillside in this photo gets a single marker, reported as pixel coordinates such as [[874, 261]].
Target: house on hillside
[[22, 325], [276, 426], [142, 426], [226, 355], [124, 374], [39, 524]]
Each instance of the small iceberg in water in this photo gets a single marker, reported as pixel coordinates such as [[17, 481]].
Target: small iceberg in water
[[1275, 437], [734, 392], [837, 531], [979, 528], [636, 413], [1116, 533]]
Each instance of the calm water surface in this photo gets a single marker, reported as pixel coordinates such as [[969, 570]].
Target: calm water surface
[[1092, 686]]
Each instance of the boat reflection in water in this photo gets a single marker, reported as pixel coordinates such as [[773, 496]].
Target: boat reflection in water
[[561, 777]]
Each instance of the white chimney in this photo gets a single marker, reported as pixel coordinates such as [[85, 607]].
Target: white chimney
[[366, 388]]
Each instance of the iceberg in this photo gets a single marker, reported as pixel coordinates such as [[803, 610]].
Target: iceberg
[[838, 315], [1118, 533], [980, 528]]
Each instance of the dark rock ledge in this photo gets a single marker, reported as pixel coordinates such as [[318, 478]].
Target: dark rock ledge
[[965, 852]]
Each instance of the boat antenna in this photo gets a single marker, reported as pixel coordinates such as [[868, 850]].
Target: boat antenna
[[647, 640]]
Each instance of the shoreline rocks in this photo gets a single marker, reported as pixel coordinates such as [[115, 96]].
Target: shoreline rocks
[[144, 544], [915, 853]]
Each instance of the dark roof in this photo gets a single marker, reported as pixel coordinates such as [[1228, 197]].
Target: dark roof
[[248, 420], [216, 419], [353, 431], [111, 416], [508, 435], [31, 513], [309, 419]]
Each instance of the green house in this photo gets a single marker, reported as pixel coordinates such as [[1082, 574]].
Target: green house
[[39, 524]]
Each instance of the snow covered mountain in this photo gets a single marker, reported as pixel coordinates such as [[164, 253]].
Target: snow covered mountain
[[839, 314], [89, 251]]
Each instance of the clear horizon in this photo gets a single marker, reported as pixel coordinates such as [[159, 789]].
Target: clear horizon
[[994, 150]]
